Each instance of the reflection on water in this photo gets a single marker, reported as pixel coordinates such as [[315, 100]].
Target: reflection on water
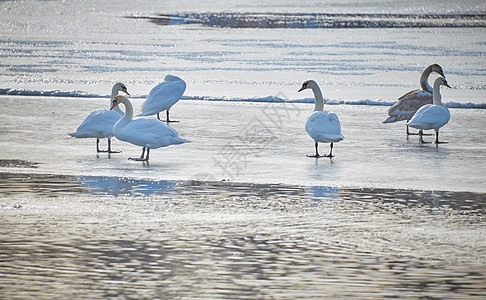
[[17, 163], [319, 20], [98, 237]]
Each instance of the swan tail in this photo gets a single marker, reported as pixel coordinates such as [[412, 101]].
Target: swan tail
[[76, 134], [398, 118], [390, 119], [414, 124], [181, 141]]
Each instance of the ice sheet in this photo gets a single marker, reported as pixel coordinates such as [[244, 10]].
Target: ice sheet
[[253, 142]]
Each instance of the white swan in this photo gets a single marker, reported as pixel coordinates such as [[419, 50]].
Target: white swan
[[322, 126], [432, 116], [99, 123], [409, 103], [163, 96], [148, 133]]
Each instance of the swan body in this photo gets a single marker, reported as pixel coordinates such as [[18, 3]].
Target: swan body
[[163, 96], [432, 116], [322, 126], [99, 123], [409, 103], [148, 133]]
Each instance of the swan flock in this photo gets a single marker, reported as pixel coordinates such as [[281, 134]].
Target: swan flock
[[408, 104], [422, 109]]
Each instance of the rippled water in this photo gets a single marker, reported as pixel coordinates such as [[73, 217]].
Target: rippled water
[[67, 237]]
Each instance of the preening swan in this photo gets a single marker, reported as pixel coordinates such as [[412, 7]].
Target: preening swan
[[99, 123], [322, 126], [163, 96], [148, 133], [432, 116], [409, 103]]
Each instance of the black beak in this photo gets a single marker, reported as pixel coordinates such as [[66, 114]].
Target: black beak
[[115, 103]]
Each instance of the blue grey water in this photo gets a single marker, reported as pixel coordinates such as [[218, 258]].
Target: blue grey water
[[241, 212]]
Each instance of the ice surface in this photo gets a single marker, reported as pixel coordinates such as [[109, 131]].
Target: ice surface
[[253, 142]]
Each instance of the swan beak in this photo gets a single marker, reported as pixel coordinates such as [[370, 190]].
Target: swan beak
[[448, 85], [115, 103], [302, 88], [126, 92]]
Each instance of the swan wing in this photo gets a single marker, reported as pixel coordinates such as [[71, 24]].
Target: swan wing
[[149, 132], [323, 126], [151, 125], [98, 124], [163, 97], [407, 105]]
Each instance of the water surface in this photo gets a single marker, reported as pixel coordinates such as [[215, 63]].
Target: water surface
[[65, 236]]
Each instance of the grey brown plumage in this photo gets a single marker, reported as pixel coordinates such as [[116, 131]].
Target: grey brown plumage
[[409, 103]]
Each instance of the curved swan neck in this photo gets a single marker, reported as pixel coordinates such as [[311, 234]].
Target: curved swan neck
[[424, 79], [114, 92], [436, 98], [128, 113], [318, 96]]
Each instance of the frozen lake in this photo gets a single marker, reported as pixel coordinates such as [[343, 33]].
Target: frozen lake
[[253, 143], [241, 212]]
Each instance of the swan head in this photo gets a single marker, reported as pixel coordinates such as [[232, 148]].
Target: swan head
[[442, 81], [171, 78], [121, 87], [308, 84], [437, 69], [118, 99]]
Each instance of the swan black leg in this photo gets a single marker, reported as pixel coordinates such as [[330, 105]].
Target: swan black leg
[[141, 158], [109, 147], [98, 146], [437, 138], [330, 153], [147, 157], [421, 137], [168, 119], [408, 131], [317, 152]]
